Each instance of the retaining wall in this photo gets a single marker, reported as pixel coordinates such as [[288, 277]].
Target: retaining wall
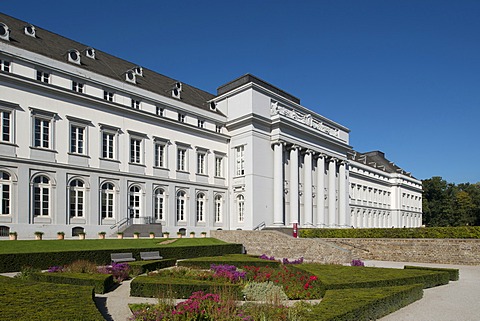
[[279, 245], [446, 251]]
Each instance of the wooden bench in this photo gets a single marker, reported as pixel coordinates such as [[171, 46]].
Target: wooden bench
[[155, 255], [122, 257]]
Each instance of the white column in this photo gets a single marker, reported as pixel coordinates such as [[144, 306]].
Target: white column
[[294, 184], [320, 195], [342, 195], [278, 184], [307, 190], [332, 168]]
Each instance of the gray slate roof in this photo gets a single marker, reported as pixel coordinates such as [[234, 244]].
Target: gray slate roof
[[376, 159], [54, 46]]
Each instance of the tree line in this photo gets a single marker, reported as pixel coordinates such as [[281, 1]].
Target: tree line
[[448, 204]]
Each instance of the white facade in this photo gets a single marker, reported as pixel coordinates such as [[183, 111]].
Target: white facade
[[89, 140]]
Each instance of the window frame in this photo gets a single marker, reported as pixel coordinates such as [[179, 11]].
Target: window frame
[[240, 208], [45, 190], [43, 76], [219, 166], [181, 206], [218, 210], [110, 148], [5, 65], [45, 117], [78, 193], [78, 87], [108, 95], [202, 161], [200, 207], [160, 162], [6, 190], [109, 210], [182, 159], [240, 160], [159, 203]]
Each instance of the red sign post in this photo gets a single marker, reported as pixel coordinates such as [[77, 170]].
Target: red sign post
[[295, 230]]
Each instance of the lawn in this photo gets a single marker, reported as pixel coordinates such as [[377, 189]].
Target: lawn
[[31, 246]]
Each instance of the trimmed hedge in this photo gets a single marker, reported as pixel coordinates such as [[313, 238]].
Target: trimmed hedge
[[23, 300], [349, 277], [454, 274], [43, 260], [101, 282], [239, 261], [155, 286], [145, 266], [458, 232], [364, 304]]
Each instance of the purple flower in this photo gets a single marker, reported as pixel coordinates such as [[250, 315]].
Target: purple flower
[[357, 263], [54, 269], [266, 257]]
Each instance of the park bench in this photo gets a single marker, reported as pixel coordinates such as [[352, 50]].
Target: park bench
[[155, 255], [122, 257]]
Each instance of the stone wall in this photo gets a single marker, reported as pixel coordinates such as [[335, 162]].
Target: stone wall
[[446, 251], [279, 245]]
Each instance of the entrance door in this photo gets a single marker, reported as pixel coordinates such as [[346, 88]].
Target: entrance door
[[135, 205]]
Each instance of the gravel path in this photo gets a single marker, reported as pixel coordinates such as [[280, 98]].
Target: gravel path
[[456, 301]]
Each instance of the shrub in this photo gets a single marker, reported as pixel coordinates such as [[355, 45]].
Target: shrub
[[264, 291], [119, 271], [458, 232], [454, 274], [26, 272], [100, 282], [81, 266], [140, 267], [30, 300]]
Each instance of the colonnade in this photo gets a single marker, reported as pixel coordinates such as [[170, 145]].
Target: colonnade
[[331, 196]]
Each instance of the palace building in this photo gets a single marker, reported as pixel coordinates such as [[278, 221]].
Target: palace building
[[89, 141]]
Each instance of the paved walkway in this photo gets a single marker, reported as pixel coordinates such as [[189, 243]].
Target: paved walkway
[[456, 301]]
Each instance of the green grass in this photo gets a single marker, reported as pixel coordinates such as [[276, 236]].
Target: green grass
[[31, 246], [237, 260]]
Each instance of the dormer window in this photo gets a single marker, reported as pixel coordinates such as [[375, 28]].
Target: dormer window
[[130, 76], [74, 56], [213, 106], [4, 32], [90, 53], [29, 30], [177, 88], [138, 71]]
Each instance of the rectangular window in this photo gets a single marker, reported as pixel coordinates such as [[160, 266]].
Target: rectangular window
[[160, 111], [5, 126], [78, 87], [135, 104], [108, 145], [181, 118], [43, 76], [218, 128], [240, 160], [135, 150], [201, 123], [218, 166], [108, 95], [77, 140], [181, 159], [201, 163], [41, 133], [4, 65], [159, 155]]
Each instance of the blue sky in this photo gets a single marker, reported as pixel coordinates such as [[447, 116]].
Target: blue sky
[[404, 76]]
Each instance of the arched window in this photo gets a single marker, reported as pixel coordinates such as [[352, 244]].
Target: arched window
[[4, 230], [218, 208], [181, 212], [41, 196], [241, 208], [200, 207], [135, 204], [77, 230], [108, 200], [5, 192], [159, 204], [77, 198]]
